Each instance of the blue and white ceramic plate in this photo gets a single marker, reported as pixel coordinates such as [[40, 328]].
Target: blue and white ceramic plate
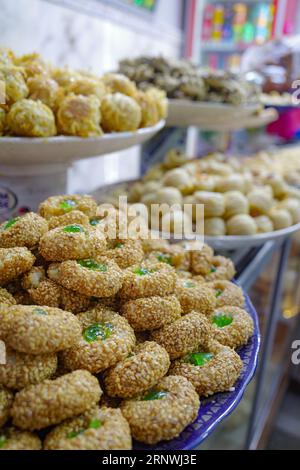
[[214, 409]]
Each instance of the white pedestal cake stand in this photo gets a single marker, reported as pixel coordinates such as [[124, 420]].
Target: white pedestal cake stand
[[32, 169]]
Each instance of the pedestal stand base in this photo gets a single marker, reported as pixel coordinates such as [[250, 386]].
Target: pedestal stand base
[[23, 188]]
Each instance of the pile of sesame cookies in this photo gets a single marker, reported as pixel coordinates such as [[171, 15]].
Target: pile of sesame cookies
[[109, 340]]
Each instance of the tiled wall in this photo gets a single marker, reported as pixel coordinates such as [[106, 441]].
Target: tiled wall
[[67, 36]]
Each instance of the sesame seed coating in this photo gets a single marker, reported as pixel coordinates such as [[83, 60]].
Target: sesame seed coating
[[217, 375], [238, 332], [113, 432], [22, 370], [228, 294], [88, 282], [222, 269], [25, 231], [150, 245], [51, 402], [193, 295], [59, 205], [73, 217], [201, 260], [99, 354], [6, 401], [14, 439], [39, 330], [182, 336], [151, 313], [59, 245], [159, 280], [158, 420], [175, 255], [126, 252], [137, 373], [14, 262], [6, 298]]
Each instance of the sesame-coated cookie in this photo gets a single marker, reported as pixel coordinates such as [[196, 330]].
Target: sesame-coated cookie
[[182, 336], [194, 295], [231, 326], [6, 401], [60, 205], [72, 242], [138, 372], [6, 297], [21, 370], [105, 339], [14, 439], [148, 280], [99, 277], [162, 413], [211, 368], [227, 293], [97, 429], [201, 260], [38, 330], [73, 217], [53, 401], [151, 313], [23, 231], [14, 262], [221, 269], [125, 252]]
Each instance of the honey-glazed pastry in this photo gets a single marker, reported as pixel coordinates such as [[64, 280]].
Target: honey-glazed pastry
[[45, 89], [149, 109], [79, 116], [87, 86], [118, 83], [15, 84], [120, 113]]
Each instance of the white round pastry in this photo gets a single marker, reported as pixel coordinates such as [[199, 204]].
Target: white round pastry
[[235, 203], [279, 186], [214, 227], [234, 182], [264, 224], [169, 195], [292, 205], [241, 224], [214, 203], [281, 218], [260, 202], [178, 178]]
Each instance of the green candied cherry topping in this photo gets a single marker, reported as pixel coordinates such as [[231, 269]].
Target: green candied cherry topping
[[97, 331], [94, 424], [154, 395], [199, 358], [219, 292], [221, 320], [40, 311], [165, 259], [74, 229], [10, 223], [94, 222], [68, 205], [189, 284], [119, 245], [212, 270], [2, 441], [91, 264], [144, 271]]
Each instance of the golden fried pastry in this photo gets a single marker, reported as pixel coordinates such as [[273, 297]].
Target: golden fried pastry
[[80, 116], [15, 84], [118, 83], [161, 101], [33, 64], [87, 86], [30, 118], [241, 224], [44, 89], [120, 113], [65, 76], [148, 106], [2, 121], [7, 56]]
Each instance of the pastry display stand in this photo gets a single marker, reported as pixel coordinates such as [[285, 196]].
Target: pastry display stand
[[32, 169]]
